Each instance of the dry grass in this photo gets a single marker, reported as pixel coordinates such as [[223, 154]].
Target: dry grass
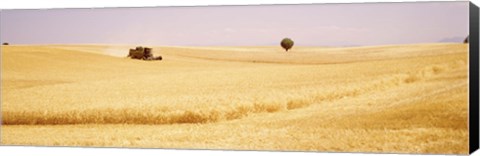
[[407, 98]]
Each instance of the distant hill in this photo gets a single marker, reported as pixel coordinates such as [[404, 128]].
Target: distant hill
[[456, 39]]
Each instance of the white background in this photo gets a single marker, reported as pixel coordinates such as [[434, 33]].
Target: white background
[[73, 151]]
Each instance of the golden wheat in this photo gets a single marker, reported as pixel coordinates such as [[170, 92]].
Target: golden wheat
[[406, 98]]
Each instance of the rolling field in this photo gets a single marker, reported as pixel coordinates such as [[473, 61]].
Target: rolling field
[[392, 98]]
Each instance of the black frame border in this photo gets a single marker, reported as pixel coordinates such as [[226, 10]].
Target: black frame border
[[474, 79]]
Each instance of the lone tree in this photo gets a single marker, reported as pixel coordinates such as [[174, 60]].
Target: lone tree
[[286, 44], [466, 40], [5, 43]]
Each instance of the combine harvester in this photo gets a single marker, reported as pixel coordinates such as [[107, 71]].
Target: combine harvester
[[143, 53]]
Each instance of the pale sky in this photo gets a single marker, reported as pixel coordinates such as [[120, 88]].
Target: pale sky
[[307, 25]]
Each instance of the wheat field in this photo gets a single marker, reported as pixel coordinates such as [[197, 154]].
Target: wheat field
[[391, 98]]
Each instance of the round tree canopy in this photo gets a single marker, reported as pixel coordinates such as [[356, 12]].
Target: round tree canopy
[[286, 43]]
